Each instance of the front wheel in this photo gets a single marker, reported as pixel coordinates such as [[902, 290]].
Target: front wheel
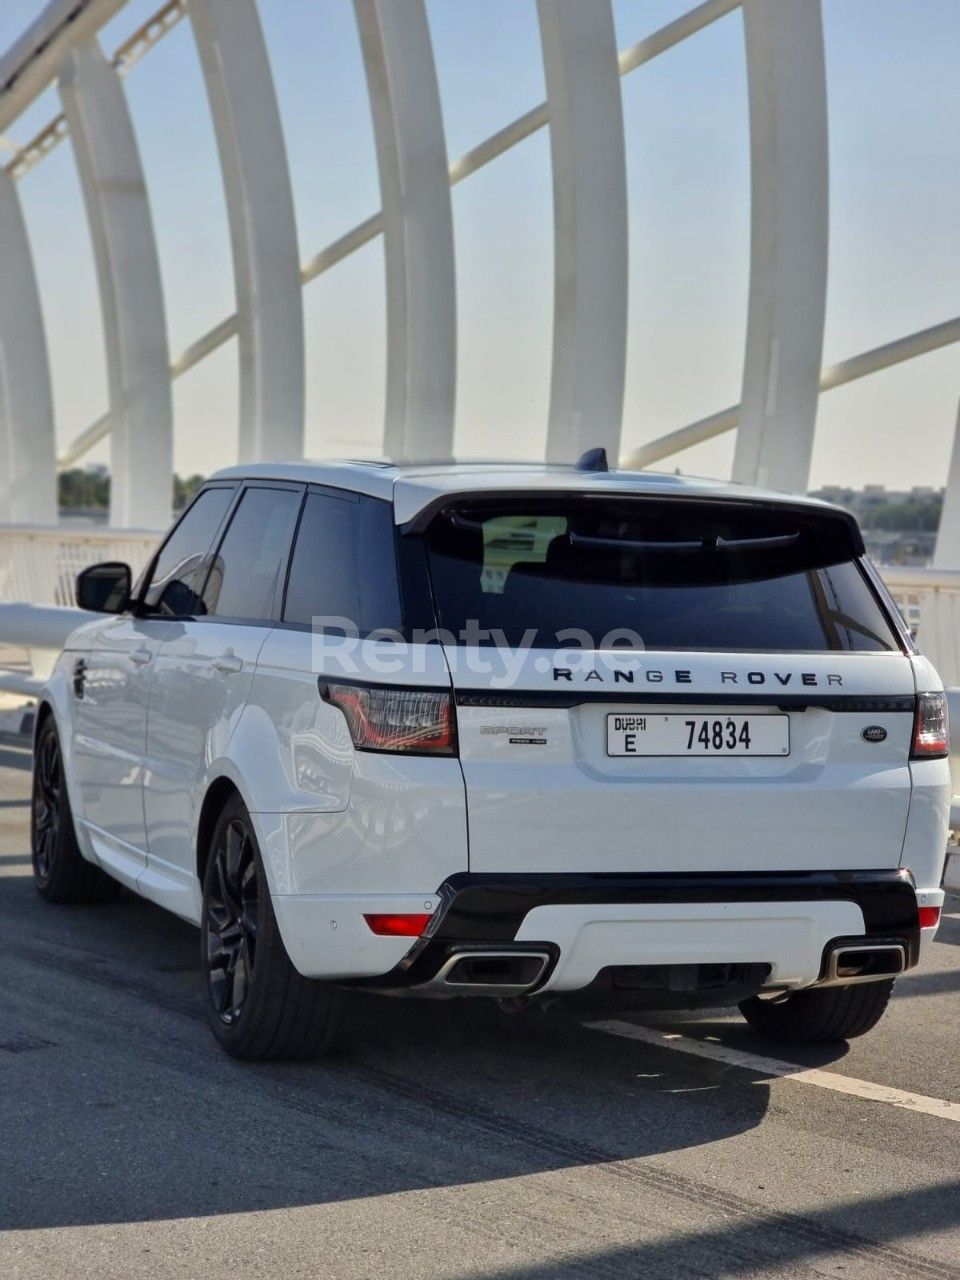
[[819, 1016], [259, 1006]]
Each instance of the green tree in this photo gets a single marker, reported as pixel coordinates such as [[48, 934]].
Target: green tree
[[184, 489], [916, 516], [88, 489], [85, 489]]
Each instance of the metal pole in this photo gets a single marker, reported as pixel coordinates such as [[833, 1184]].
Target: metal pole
[[947, 552]]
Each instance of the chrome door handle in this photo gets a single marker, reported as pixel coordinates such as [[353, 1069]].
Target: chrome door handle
[[226, 662], [140, 657]]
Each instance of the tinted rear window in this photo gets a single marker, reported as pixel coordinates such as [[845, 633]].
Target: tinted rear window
[[343, 575], [671, 575]]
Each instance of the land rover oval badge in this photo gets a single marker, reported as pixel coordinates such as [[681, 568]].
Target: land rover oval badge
[[874, 733]]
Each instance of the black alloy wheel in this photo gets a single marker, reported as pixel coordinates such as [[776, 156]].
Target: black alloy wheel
[[232, 921], [47, 794], [258, 1005]]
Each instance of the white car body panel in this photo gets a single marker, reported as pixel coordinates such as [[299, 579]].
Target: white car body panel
[[109, 738], [836, 802], [590, 938], [337, 820], [202, 676], [326, 935]]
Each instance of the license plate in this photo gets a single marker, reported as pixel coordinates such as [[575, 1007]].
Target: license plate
[[654, 734]]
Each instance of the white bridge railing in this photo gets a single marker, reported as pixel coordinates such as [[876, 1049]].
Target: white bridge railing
[[38, 569], [930, 601], [39, 565]]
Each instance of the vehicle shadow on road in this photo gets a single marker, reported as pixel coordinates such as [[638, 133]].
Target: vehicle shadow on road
[[934, 982], [117, 1106], [777, 1243], [728, 1027], [949, 930]]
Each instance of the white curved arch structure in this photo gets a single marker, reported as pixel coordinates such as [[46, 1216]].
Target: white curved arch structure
[[782, 374], [417, 223], [131, 294], [590, 227], [263, 229], [27, 457], [789, 233]]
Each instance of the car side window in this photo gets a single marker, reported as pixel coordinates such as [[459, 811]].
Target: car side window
[[344, 566], [245, 572], [179, 567], [323, 579]]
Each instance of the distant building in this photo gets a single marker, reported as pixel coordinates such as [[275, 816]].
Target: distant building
[[899, 525]]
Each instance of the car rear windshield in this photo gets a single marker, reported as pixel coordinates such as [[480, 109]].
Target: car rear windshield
[[653, 573]]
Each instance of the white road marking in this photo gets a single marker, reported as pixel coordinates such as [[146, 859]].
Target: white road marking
[[938, 1107]]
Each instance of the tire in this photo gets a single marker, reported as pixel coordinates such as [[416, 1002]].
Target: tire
[[818, 1017], [60, 871], [260, 1008]]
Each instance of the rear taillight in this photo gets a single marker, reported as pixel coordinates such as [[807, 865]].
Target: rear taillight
[[381, 718], [931, 736]]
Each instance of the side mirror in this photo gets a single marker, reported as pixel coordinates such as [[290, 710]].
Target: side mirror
[[105, 588]]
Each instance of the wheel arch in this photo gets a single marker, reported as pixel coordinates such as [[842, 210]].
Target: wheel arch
[[220, 790], [56, 700], [43, 713], [54, 707]]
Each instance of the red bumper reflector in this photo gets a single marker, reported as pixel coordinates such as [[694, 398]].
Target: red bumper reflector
[[929, 917], [398, 926]]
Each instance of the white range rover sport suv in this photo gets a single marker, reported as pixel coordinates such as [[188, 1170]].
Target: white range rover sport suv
[[516, 732]]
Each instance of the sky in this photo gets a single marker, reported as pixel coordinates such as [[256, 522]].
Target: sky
[[894, 107]]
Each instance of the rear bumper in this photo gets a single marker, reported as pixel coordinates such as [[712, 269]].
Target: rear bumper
[[780, 925]]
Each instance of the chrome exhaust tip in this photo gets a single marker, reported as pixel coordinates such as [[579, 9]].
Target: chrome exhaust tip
[[849, 963], [489, 973]]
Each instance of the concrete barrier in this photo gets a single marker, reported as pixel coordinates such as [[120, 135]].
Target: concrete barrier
[[31, 636], [39, 626]]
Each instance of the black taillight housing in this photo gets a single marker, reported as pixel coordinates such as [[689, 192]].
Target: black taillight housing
[[385, 718], [931, 729]]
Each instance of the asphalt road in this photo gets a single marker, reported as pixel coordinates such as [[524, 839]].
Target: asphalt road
[[433, 1145]]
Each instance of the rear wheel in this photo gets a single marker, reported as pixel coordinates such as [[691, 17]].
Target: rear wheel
[[819, 1016], [259, 1006], [60, 871]]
